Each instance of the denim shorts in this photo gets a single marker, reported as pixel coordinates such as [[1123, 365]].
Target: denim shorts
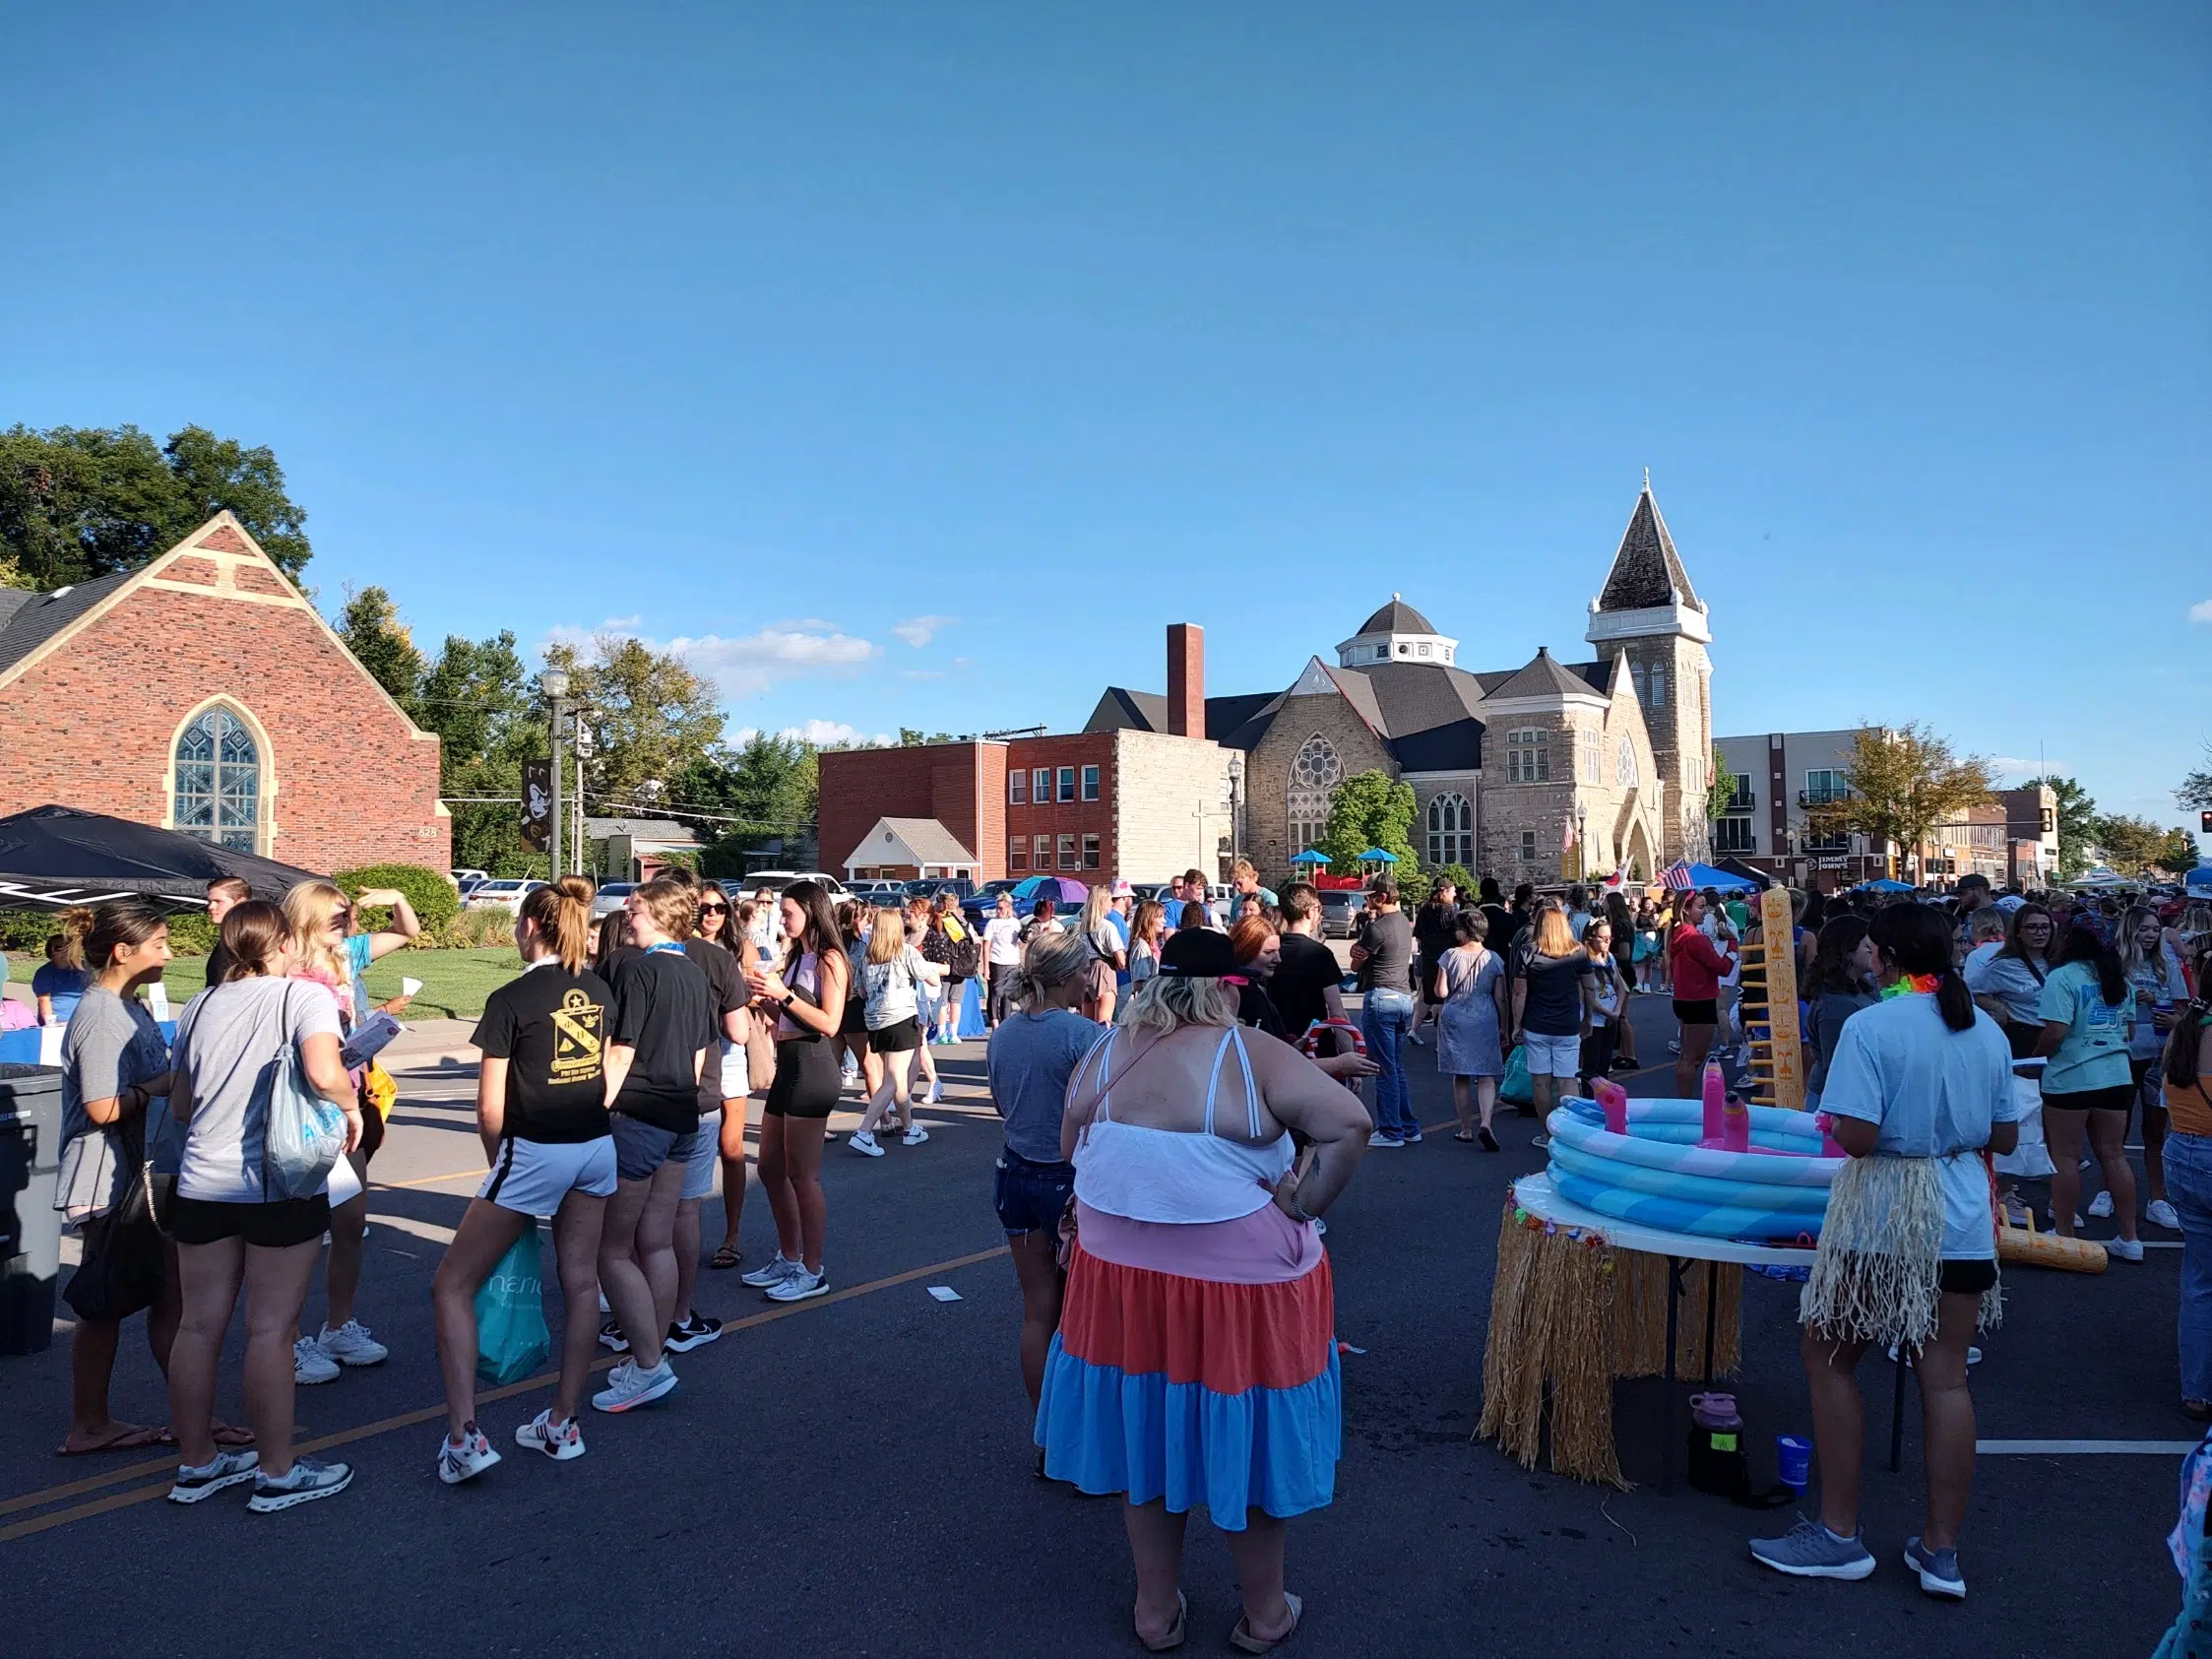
[[640, 1148], [1552, 1056], [1031, 1197]]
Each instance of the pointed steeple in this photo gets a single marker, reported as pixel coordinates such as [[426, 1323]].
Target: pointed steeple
[[1646, 571]]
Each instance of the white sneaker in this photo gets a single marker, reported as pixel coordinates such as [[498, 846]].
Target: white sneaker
[[558, 1440], [775, 1273], [915, 1134], [466, 1459], [937, 1091], [2100, 1205], [351, 1345], [801, 1286], [2158, 1213], [2127, 1249], [628, 1387], [228, 1469], [305, 1481], [864, 1141], [310, 1365]]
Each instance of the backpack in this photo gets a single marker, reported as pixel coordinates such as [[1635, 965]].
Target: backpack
[[966, 955]]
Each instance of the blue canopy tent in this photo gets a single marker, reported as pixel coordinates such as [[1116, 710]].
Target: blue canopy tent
[[1688, 877], [1375, 854], [1310, 857], [1884, 884], [2198, 883]]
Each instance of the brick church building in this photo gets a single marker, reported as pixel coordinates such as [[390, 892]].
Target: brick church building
[[1544, 772], [202, 693]]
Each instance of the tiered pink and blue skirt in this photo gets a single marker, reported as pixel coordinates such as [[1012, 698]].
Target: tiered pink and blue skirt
[[1196, 1364]]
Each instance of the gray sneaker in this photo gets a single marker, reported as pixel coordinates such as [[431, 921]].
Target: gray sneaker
[[305, 1481], [1811, 1551], [228, 1469], [776, 1272], [1938, 1569]]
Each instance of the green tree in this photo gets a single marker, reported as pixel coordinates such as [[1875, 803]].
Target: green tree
[[1369, 809], [1719, 787], [2196, 787], [1904, 782], [769, 788], [2135, 846], [477, 697], [82, 502], [371, 628], [652, 717], [910, 737], [2078, 823]]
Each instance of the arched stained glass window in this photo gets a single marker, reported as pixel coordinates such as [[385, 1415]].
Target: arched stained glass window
[[1451, 831], [1313, 774], [219, 780]]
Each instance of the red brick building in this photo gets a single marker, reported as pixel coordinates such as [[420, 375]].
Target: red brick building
[[204, 694]]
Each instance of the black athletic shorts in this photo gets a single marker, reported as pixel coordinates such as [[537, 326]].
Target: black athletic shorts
[[274, 1226], [1705, 1010], [806, 1078], [2120, 1097], [856, 1020], [899, 1037], [1966, 1275]]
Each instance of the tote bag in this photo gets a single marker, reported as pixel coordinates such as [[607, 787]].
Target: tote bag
[[1514, 1087], [512, 1340], [306, 1135]]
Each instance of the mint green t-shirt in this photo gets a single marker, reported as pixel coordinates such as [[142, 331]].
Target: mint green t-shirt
[[2094, 1051]]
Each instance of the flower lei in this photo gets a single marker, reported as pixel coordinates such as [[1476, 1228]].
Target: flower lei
[[1913, 984]]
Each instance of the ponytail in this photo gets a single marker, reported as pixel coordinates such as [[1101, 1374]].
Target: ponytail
[[76, 922], [1917, 940], [1955, 1002], [562, 915]]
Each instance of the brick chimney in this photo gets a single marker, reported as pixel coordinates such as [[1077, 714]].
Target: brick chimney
[[1186, 679]]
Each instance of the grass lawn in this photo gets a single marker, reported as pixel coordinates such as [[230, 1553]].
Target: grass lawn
[[455, 982]]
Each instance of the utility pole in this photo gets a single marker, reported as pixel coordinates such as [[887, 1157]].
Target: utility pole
[[554, 683]]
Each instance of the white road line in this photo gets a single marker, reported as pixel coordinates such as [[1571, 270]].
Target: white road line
[[2084, 1448]]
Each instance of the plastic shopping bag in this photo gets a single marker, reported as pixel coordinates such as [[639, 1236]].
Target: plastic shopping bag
[[1514, 1088], [512, 1340]]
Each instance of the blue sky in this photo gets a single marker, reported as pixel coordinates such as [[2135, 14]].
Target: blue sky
[[913, 364]]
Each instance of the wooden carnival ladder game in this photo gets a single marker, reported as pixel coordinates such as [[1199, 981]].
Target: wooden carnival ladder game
[[1770, 1006]]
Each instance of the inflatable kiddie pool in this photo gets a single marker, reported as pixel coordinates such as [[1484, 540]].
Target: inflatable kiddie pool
[[1658, 1176]]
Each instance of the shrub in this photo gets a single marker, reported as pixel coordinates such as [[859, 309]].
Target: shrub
[[28, 929], [473, 929], [431, 892], [191, 934]]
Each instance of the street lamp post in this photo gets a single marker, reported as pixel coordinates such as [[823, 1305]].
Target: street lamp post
[[1236, 805], [554, 683], [1582, 838]]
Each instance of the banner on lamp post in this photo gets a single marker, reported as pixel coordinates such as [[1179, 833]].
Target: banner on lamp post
[[538, 804]]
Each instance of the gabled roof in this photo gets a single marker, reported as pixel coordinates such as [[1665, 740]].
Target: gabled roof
[[1456, 748], [1418, 696], [1543, 677], [1646, 570], [28, 621], [927, 838], [1397, 617], [665, 830], [1124, 710]]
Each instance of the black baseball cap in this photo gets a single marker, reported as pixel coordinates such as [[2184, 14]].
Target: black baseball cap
[[1198, 954]]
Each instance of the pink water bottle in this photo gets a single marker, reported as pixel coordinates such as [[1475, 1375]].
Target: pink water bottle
[[1613, 1099], [1736, 1124], [1716, 1101]]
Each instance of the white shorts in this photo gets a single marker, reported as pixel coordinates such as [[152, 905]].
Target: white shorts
[[1552, 1056], [706, 1157], [532, 1177], [736, 1082]]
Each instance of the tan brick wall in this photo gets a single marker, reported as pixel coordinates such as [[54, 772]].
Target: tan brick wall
[[346, 782], [1167, 809], [1679, 731], [1268, 772]]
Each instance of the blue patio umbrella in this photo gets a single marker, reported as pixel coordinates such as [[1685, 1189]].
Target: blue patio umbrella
[[1884, 884], [1058, 889], [1377, 855], [1310, 857]]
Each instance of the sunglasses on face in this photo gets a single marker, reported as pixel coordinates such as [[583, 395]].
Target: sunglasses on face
[[713, 910]]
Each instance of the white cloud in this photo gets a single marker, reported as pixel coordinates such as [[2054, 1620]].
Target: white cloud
[[749, 665], [2201, 612], [2011, 766], [819, 733], [919, 631]]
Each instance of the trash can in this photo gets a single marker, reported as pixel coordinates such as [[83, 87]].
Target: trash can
[[29, 1226]]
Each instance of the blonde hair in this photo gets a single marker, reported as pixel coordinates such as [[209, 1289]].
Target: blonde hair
[[1168, 1002], [309, 909], [887, 940], [563, 916], [1554, 937], [1095, 910], [672, 905], [76, 922], [1241, 868]]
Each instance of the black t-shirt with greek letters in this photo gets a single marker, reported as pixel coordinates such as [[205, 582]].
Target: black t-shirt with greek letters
[[550, 1026]]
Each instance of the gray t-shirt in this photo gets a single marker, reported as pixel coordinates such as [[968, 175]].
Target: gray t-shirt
[[1388, 939], [228, 1043], [109, 1045], [1032, 1057]]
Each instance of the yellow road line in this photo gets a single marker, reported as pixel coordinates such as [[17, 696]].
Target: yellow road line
[[404, 1420]]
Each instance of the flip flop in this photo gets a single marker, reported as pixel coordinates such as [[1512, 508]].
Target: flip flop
[[729, 1255], [1462, 1134], [128, 1436], [232, 1438], [1242, 1639], [1173, 1637]]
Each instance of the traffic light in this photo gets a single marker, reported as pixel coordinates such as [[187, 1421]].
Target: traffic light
[[2204, 820]]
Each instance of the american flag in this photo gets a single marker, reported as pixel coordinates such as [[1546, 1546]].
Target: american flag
[[1677, 876]]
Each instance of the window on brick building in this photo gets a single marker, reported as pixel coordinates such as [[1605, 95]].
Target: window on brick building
[[1043, 848], [1313, 774], [1528, 756], [1451, 831], [1528, 846], [1090, 783], [1017, 787], [1090, 851], [1017, 852], [1041, 788], [1734, 834], [1067, 783], [217, 769], [1067, 852]]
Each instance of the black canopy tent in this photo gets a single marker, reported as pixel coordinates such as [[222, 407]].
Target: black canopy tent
[[1749, 872], [56, 856]]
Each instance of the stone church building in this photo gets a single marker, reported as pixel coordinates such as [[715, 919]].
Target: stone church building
[[202, 693], [1547, 772]]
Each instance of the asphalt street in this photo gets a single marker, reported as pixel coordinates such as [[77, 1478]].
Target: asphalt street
[[853, 1476]]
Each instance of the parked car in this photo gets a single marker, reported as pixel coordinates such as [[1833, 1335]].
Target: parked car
[[877, 892], [468, 878], [608, 899], [500, 893], [1341, 907], [929, 886], [779, 879]]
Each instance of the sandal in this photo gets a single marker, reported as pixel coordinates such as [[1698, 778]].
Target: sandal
[[1175, 1633], [121, 1437], [1242, 1639], [229, 1438], [729, 1255], [1463, 1134]]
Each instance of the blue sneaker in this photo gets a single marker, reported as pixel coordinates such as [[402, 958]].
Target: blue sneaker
[[1938, 1569], [1811, 1551]]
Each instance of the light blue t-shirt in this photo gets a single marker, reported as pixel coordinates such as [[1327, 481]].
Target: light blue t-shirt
[[357, 963], [1935, 1093], [2093, 1054]]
